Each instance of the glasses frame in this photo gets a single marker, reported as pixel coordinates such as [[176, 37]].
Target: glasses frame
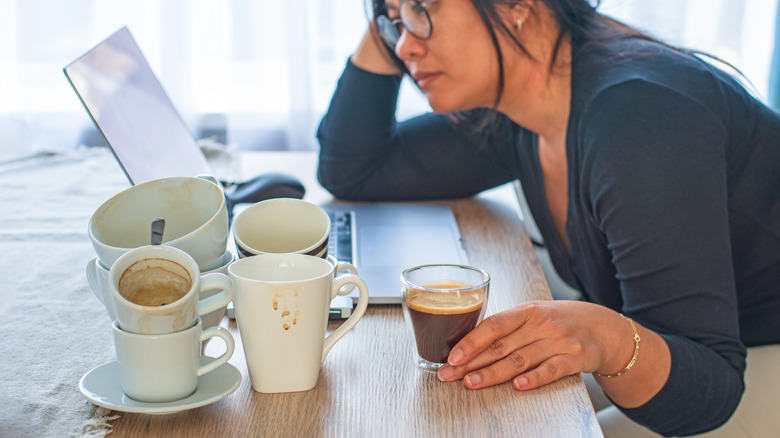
[[390, 29]]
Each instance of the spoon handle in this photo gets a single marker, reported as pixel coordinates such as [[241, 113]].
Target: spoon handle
[[158, 228]]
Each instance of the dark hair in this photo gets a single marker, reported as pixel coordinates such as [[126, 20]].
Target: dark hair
[[578, 19]]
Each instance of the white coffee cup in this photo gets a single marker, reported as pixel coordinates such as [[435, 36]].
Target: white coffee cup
[[195, 213], [164, 368], [158, 267], [282, 226], [97, 277], [281, 306], [287, 226]]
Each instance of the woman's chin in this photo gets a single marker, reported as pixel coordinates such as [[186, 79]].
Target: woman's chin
[[442, 106]]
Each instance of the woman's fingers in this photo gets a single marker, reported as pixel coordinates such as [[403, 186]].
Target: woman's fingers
[[509, 347], [552, 369], [535, 349], [488, 334], [512, 364], [529, 375]]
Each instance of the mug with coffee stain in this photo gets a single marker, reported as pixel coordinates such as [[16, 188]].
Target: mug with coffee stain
[[156, 289], [442, 303], [195, 213], [282, 304]]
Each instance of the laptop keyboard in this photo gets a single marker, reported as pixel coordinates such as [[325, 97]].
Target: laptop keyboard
[[340, 243]]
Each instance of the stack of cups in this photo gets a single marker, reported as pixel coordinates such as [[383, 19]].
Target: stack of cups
[[196, 221], [157, 331], [166, 300]]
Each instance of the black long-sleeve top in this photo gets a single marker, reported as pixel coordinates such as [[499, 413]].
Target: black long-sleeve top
[[673, 202]]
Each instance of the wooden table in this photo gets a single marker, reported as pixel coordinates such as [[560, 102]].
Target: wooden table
[[369, 384]]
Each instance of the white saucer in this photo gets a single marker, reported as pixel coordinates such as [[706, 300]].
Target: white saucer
[[102, 387]]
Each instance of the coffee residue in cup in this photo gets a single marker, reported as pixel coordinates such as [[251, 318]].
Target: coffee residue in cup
[[154, 282]]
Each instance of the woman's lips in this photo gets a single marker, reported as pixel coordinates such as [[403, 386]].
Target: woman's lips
[[425, 79]]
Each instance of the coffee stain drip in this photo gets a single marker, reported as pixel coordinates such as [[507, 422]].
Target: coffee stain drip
[[286, 309], [158, 228]]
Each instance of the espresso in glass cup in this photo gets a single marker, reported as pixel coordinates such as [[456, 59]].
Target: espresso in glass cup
[[442, 303]]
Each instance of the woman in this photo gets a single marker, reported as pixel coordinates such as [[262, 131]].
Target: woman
[[654, 179]]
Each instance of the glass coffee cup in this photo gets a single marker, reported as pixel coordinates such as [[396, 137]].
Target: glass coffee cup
[[442, 303]]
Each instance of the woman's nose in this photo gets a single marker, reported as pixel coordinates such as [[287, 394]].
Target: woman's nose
[[409, 47]]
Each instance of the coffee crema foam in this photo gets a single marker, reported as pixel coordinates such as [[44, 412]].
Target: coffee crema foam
[[154, 282], [445, 302]]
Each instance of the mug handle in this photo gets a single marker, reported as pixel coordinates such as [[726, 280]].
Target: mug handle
[[349, 267], [214, 302], [92, 279], [340, 281], [229, 342]]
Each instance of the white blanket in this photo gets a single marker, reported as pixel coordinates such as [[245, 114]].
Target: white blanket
[[53, 327]]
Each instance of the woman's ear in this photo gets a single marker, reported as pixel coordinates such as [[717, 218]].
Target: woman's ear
[[519, 13]]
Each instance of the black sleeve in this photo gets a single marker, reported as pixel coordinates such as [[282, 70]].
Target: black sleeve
[[655, 174], [365, 154]]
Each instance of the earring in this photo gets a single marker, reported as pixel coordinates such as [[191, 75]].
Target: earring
[[519, 24]]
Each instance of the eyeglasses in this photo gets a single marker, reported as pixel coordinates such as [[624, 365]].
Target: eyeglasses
[[412, 15]]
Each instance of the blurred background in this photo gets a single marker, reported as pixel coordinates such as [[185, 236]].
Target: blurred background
[[258, 74]]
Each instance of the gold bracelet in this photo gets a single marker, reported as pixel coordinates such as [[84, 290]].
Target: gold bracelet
[[633, 359]]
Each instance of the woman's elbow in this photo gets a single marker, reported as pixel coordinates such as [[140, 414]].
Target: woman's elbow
[[336, 185]]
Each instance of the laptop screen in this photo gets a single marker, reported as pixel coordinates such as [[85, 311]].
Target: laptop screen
[[131, 110]]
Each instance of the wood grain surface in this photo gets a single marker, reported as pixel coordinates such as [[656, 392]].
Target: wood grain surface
[[369, 385]]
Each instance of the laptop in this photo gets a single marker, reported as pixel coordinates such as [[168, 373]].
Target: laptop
[[132, 111]]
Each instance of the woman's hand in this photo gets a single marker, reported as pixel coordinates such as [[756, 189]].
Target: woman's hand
[[537, 343], [372, 56]]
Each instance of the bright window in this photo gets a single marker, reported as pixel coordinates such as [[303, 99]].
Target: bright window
[[270, 67]]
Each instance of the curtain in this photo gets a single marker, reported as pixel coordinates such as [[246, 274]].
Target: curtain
[[774, 73], [740, 32], [265, 70]]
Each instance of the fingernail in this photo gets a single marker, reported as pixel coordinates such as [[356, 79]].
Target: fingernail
[[521, 382], [455, 357], [473, 380], [445, 373]]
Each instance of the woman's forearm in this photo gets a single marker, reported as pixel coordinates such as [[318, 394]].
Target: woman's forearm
[[367, 155]]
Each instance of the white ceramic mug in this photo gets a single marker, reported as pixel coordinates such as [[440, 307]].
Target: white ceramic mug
[[281, 305], [97, 277], [164, 368], [195, 213], [282, 226], [139, 267], [287, 226]]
